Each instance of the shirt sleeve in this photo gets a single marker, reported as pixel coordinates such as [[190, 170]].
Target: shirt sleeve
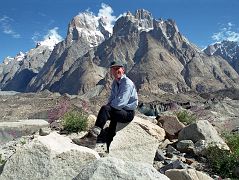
[[122, 97], [112, 93]]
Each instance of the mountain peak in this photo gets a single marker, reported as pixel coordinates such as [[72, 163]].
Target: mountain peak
[[141, 21], [143, 14], [90, 28]]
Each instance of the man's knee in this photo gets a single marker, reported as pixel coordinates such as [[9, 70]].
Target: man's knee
[[105, 108]]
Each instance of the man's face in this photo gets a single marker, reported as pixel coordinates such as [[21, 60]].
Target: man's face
[[117, 72]]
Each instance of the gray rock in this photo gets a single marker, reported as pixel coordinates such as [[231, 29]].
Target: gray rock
[[186, 174], [159, 156], [200, 148], [171, 149], [171, 125], [202, 130], [185, 146], [47, 157], [136, 142], [173, 165], [117, 169]]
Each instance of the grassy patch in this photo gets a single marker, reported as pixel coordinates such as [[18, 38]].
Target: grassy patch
[[74, 121], [185, 117]]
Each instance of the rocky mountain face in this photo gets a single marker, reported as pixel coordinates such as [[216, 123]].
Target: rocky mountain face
[[16, 73], [228, 50], [85, 32], [160, 59], [157, 57]]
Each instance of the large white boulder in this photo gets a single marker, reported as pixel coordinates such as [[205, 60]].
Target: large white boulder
[[112, 168], [137, 142], [48, 157]]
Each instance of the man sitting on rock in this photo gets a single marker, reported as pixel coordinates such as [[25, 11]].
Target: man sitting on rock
[[121, 107]]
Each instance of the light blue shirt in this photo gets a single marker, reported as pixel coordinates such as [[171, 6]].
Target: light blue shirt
[[123, 94]]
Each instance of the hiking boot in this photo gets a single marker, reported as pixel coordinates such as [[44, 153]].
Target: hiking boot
[[89, 140]]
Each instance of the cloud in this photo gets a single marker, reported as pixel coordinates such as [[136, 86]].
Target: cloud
[[106, 13], [5, 24], [228, 32], [50, 39]]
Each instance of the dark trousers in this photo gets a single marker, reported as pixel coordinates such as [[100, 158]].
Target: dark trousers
[[114, 115]]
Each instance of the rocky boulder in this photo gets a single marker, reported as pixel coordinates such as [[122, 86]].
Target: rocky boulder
[[202, 130], [48, 157], [171, 125], [137, 142], [117, 169]]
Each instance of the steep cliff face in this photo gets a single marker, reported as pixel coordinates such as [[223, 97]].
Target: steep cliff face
[[205, 74]]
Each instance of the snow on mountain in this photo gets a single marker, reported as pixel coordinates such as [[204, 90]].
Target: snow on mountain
[[94, 29], [7, 60], [227, 49], [89, 28], [19, 57], [51, 39]]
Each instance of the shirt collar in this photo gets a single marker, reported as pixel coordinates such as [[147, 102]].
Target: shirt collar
[[123, 76]]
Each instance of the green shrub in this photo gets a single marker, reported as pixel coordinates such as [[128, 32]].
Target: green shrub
[[232, 141], [74, 121], [224, 162], [185, 117]]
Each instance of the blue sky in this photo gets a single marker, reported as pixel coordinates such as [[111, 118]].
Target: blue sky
[[25, 22]]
